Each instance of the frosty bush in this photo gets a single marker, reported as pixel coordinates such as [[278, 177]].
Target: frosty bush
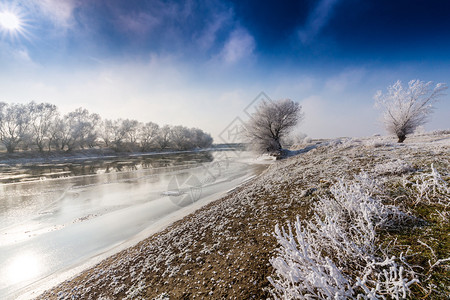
[[333, 256], [405, 109], [430, 187], [396, 167]]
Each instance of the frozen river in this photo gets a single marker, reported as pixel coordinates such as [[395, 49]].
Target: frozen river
[[53, 225]]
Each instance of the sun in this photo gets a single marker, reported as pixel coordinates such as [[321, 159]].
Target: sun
[[12, 23], [9, 21]]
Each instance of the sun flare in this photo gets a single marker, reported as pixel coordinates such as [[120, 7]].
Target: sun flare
[[12, 23], [23, 267], [9, 21]]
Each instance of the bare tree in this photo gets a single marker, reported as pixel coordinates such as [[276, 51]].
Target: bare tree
[[270, 123], [407, 108]]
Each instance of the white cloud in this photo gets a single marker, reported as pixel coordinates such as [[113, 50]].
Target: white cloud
[[138, 23], [209, 35], [60, 12], [316, 20], [347, 78], [240, 45]]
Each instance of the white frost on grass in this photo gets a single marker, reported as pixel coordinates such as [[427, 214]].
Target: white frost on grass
[[396, 167], [333, 255], [430, 187]]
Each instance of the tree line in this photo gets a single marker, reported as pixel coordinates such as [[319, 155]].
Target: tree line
[[40, 126]]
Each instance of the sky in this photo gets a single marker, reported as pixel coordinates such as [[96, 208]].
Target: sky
[[203, 63]]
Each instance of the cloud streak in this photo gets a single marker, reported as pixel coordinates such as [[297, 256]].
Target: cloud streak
[[60, 12], [316, 20], [239, 46]]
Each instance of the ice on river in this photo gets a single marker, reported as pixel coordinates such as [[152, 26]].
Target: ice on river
[[50, 226]]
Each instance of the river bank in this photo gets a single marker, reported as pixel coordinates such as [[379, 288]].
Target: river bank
[[223, 250]]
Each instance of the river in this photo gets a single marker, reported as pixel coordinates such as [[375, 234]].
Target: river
[[56, 219]]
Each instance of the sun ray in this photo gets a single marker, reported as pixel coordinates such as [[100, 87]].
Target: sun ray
[[12, 23]]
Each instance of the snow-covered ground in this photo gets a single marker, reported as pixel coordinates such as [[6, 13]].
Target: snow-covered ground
[[225, 249]]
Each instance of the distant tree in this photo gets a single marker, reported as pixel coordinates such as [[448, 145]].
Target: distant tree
[[41, 126], [270, 123], [57, 134], [113, 134], [163, 139], [42, 117], [148, 134], [83, 129], [14, 125], [131, 130], [180, 138], [407, 108], [106, 132], [200, 139]]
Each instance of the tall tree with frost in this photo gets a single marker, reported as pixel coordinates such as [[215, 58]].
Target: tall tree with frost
[[271, 122], [407, 108], [42, 116], [14, 125]]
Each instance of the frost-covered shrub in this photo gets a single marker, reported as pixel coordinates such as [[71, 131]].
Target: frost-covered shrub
[[395, 167], [441, 132], [302, 271], [333, 256], [430, 187]]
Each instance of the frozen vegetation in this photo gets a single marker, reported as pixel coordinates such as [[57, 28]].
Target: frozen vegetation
[[40, 126], [345, 219], [271, 123], [406, 108]]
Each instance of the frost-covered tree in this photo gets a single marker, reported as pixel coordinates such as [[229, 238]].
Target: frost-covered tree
[[14, 125], [148, 134], [42, 117], [131, 130], [113, 134], [200, 139], [78, 129], [180, 137], [407, 108], [271, 122], [163, 139]]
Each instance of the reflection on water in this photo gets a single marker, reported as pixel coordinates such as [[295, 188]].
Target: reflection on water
[[21, 267], [28, 172]]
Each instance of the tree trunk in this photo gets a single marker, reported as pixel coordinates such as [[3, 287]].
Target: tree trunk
[[401, 138], [10, 148]]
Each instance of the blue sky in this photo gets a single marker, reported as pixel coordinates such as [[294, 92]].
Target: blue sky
[[200, 63]]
